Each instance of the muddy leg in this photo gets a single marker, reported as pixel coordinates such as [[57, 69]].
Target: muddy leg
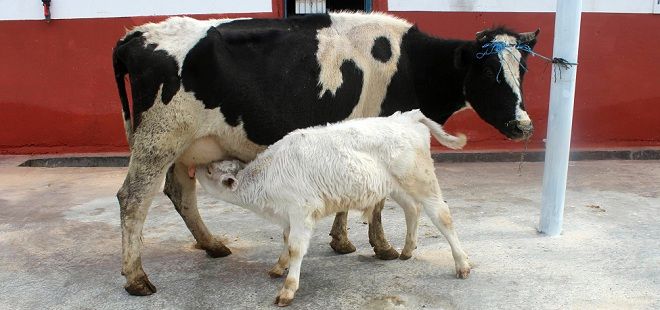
[[339, 233], [180, 188], [135, 198], [382, 248]]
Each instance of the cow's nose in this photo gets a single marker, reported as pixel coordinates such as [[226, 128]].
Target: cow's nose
[[526, 127]]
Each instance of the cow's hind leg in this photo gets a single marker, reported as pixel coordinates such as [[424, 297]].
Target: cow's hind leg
[[382, 248], [180, 188], [339, 233], [145, 173]]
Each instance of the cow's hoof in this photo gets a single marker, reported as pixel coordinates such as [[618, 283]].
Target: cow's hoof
[[217, 249], [140, 287], [342, 246], [463, 273], [388, 254], [284, 298]]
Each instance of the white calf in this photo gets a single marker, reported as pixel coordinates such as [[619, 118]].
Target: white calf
[[315, 172]]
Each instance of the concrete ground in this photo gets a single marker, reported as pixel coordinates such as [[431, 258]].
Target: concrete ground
[[60, 246]]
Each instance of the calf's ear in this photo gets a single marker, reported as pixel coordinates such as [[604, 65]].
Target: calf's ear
[[229, 182], [464, 55]]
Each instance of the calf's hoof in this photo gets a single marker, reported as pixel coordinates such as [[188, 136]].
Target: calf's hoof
[[405, 256], [140, 287], [463, 273], [217, 249], [342, 246], [284, 298], [388, 254], [276, 272]]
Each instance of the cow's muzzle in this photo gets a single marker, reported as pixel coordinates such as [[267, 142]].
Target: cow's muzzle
[[520, 130]]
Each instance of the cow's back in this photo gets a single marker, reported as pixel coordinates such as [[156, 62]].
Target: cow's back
[[275, 76]]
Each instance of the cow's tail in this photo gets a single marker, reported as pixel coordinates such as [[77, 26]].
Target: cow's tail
[[121, 70], [452, 142]]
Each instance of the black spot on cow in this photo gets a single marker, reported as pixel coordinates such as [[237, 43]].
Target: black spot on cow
[[149, 69], [382, 49], [264, 74]]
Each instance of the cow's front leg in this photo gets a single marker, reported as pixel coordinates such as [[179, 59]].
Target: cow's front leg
[[180, 188], [382, 248], [339, 233]]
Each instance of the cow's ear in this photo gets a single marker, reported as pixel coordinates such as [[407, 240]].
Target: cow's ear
[[464, 55]]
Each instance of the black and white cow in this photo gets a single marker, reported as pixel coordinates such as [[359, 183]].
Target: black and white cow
[[208, 90]]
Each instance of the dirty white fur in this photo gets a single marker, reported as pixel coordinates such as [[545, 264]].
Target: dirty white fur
[[351, 37], [511, 69], [315, 172]]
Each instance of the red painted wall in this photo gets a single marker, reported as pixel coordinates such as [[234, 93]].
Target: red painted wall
[[57, 91]]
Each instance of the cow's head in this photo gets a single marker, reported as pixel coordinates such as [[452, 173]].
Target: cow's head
[[495, 66]]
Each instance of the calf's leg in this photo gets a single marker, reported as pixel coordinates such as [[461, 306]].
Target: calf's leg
[[180, 188], [411, 212], [282, 262], [299, 237], [438, 211], [382, 248]]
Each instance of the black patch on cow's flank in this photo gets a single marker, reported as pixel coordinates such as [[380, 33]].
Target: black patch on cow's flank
[[148, 69], [382, 49]]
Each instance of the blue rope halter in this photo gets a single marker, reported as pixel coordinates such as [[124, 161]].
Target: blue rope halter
[[499, 47]]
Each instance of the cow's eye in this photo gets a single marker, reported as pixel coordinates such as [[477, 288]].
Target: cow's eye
[[488, 72]]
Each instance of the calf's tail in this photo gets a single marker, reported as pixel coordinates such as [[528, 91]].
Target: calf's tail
[[452, 142]]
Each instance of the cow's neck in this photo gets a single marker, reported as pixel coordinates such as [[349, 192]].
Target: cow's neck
[[438, 83]]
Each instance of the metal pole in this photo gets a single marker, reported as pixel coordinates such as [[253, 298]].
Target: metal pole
[[560, 116]]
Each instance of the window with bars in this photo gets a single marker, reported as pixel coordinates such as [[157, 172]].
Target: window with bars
[[301, 7], [310, 6]]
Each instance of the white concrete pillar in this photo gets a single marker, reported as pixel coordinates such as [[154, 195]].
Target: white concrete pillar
[[560, 116]]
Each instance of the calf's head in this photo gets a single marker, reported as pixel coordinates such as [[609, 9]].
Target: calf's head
[[219, 177], [495, 64]]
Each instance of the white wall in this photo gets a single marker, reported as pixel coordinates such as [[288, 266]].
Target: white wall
[[603, 6], [68, 9]]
